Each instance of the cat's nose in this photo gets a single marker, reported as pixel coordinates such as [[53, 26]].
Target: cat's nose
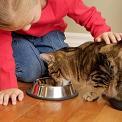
[[114, 102]]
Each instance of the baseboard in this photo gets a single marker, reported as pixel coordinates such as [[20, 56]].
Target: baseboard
[[75, 39]]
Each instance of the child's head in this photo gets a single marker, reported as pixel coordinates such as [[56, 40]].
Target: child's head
[[18, 14]]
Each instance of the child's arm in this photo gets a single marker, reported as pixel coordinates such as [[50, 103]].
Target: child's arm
[[7, 64], [8, 79], [91, 19]]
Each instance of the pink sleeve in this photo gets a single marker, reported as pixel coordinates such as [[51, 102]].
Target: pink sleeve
[[7, 65], [88, 17]]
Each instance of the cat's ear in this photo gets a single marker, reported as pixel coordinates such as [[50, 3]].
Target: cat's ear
[[47, 57]]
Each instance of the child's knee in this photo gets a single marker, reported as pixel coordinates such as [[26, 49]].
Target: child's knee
[[31, 73]]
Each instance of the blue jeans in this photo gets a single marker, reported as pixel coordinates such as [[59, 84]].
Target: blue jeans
[[26, 51]]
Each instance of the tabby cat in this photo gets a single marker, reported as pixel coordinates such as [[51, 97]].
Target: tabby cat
[[95, 65]]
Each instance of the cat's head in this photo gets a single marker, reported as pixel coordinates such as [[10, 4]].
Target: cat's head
[[57, 67]]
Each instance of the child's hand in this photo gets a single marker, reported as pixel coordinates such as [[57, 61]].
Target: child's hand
[[109, 37], [12, 94]]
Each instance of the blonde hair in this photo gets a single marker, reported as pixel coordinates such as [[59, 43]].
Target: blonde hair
[[14, 12]]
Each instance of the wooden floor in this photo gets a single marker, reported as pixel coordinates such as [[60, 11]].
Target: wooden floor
[[74, 110]]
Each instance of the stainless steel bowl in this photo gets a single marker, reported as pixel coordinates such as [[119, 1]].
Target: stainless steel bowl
[[42, 89]]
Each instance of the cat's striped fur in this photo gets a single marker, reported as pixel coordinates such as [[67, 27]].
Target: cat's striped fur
[[97, 65]]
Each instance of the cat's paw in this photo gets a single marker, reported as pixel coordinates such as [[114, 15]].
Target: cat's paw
[[90, 96]]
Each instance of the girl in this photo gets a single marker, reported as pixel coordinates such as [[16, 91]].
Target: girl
[[42, 30]]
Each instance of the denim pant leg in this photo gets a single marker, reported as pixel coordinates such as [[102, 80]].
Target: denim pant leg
[[29, 67], [26, 50], [50, 42]]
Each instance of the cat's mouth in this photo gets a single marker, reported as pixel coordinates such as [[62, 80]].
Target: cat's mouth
[[114, 102]]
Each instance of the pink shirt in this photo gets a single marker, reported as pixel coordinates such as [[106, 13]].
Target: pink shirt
[[51, 19]]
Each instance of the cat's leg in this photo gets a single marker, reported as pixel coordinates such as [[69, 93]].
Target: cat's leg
[[90, 96], [93, 93]]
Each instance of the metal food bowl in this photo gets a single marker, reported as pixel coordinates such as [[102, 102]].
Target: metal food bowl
[[42, 89]]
